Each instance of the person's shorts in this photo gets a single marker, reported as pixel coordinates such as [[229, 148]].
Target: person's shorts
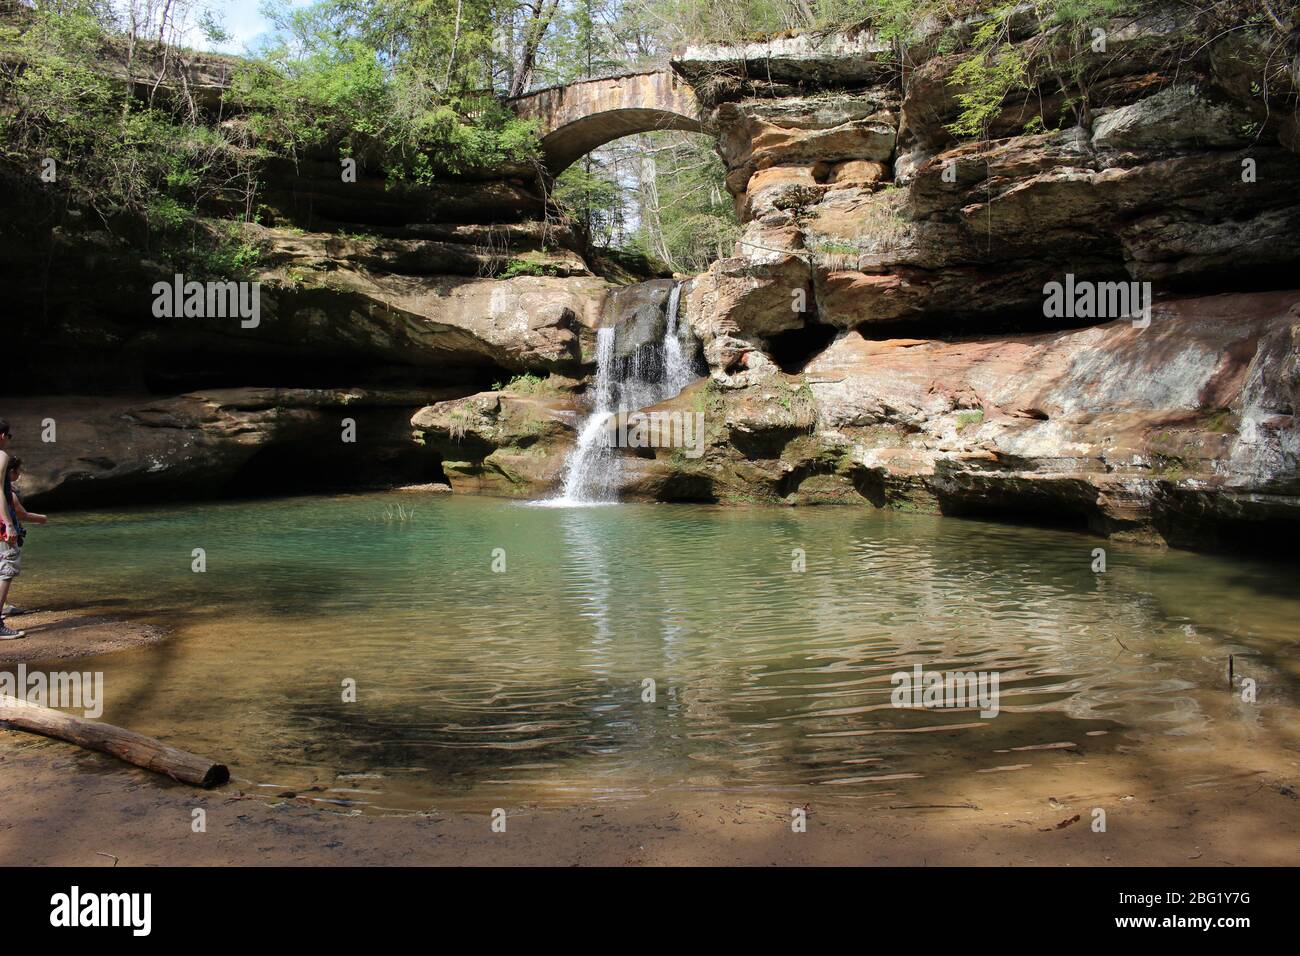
[[11, 560]]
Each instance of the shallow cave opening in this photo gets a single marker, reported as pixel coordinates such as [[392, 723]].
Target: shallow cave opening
[[765, 444], [681, 487], [952, 327], [1246, 538], [174, 375], [1045, 513], [326, 464], [166, 372], [793, 349]]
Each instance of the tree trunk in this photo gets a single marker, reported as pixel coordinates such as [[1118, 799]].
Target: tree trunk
[[537, 27], [124, 744], [451, 58]]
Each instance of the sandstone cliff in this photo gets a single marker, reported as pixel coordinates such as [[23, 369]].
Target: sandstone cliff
[[879, 337]]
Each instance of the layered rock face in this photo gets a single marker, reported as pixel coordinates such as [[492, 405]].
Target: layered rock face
[[401, 315], [218, 442], [358, 301], [373, 299], [865, 205], [883, 337], [1184, 430]]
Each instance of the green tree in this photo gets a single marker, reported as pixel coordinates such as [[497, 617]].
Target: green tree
[[403, 86], [687, 217], [132, 159]]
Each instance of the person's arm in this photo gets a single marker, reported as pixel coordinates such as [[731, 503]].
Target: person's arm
[[6, 506], [29, 516]]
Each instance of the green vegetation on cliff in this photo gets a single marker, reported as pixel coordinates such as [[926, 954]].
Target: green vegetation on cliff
[[402, 86], [1005, 52], [111, 107], [412, 89], [71, 119]]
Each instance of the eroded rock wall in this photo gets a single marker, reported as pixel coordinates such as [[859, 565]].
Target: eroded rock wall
[[1184, 431], [142, 450], [862, 204], [387, 296], [880, 336]]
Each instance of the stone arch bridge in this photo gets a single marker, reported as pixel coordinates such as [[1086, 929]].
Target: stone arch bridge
[[578, 117]]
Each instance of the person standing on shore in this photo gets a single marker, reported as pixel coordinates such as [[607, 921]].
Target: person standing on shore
[[10, 553], [23, 517]]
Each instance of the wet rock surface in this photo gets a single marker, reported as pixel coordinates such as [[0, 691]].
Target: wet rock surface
[[1183, 431], [141, 450], [499, 443]]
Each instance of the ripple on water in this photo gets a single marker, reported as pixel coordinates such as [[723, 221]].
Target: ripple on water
[[530, 682]]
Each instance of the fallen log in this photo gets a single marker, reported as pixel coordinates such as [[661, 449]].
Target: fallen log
[[123, 744]]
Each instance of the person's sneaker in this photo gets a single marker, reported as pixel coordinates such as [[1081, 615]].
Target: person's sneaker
[[7, 633], [11, 611]]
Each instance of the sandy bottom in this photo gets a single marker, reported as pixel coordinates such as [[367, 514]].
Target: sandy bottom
[[68, 634], [60, 806], [1229, 802]]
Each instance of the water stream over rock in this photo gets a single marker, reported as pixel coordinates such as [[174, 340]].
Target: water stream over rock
[[629, 377], [589, 469]]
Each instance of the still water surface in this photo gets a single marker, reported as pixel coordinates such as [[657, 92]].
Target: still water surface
[[527, 685]]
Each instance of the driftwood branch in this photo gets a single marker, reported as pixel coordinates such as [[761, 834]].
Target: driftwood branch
[[123, 744]]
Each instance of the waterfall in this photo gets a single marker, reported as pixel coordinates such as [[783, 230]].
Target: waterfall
[[650, 375], [678, 372], [588, 471]]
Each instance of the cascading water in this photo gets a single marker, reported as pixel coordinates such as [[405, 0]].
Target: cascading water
[[588, 471], [648, 376], [678, 370]]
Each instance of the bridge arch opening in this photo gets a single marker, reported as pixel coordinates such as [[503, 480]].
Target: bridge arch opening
[[566, 145], [645, 186], [660, 196]]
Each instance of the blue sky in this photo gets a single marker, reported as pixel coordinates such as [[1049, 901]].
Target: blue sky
[[242, 19]]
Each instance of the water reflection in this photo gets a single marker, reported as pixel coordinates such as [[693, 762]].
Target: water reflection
[[529, 683]]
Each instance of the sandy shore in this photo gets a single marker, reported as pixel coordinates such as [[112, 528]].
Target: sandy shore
[[60, 635], [60, 806]]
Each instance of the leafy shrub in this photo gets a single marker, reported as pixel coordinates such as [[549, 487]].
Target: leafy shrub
[[344, 93], [529, 384]]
